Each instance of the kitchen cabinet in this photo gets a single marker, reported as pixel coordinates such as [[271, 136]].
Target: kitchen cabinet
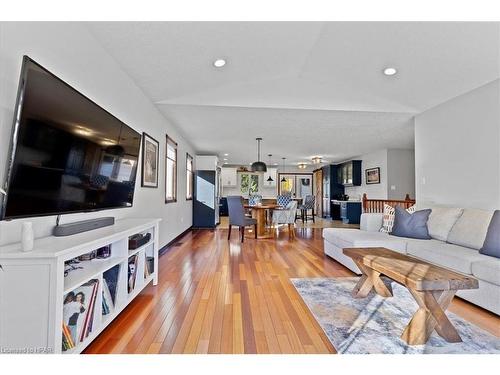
[[229, 176], [349, 173], [273, 173]]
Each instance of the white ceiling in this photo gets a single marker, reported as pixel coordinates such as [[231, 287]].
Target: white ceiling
[[307, 88]]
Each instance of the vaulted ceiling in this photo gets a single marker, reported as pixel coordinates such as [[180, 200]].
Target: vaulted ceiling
[[307, 88]]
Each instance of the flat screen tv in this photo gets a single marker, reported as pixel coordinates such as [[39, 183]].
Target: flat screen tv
[[67, 153]]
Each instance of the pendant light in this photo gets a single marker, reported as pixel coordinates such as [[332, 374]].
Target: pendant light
[[116, 150], [283, 179], [259, 166], [270, 179]]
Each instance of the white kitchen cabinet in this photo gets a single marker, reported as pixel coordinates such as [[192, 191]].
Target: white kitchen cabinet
[[229, 176]]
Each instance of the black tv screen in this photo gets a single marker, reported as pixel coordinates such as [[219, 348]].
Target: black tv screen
[[67, 154]]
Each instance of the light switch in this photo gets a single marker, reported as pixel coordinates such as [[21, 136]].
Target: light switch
[[393, 187]]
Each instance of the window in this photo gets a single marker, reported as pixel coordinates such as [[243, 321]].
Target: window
[[171, 172], [189, 177]]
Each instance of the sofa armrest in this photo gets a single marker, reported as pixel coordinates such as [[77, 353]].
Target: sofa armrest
[[371, 222]]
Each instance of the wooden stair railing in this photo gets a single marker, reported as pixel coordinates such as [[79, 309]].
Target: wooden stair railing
[[377, 205]]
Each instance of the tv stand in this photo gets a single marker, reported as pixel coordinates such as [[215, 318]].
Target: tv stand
[[34, 287], [62, 230]]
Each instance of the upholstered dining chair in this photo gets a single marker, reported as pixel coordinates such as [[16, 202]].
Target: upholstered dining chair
[[286, 216], [283, 200], [237, 216], [254, 199], [308, 205]]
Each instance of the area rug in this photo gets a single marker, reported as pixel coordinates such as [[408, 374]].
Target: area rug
[[374, 324]]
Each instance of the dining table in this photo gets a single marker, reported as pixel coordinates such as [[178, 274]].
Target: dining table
[[259, 213]]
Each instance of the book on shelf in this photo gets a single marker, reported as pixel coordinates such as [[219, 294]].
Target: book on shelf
[[78, 314], [149, 266], [110, 289], [132, 272]]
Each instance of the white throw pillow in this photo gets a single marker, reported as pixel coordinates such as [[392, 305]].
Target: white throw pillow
[[441, 220], [388, 218], [471, 228]]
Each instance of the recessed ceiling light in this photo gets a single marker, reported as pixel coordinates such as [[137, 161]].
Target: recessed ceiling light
[[219, 63], [225, 158], [226, 154], [390, 71]]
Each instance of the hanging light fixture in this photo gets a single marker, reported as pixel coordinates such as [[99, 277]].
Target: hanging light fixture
[[259, 166], [116, 149], [316, 160], [270, 179], [302, 165], [283, 178]]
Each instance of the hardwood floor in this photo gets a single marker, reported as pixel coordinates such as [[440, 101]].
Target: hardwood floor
[[216, 296]]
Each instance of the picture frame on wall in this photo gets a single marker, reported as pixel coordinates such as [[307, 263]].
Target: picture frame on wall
[[150, 161], [372, 176]]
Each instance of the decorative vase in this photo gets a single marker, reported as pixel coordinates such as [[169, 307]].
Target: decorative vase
[[27, 236]]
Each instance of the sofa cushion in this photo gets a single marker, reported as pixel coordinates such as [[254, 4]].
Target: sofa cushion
[[388, 219], [441, 220], [411, 225], [343, 238], [470, 228], [487, 269], [443, 254], [491, 244]]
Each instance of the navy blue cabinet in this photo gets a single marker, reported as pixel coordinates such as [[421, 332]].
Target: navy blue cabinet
[[349, 173]]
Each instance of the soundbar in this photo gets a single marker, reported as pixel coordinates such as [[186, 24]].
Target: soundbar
[[82, 226]]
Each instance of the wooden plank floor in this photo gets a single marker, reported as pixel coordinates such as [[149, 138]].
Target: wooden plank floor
[[216, 296]]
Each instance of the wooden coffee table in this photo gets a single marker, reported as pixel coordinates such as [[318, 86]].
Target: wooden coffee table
[[433, 288]]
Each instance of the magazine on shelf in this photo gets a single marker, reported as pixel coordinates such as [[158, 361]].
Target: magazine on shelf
[[132, 272], [149, 266], [78, 314], [111, 280]]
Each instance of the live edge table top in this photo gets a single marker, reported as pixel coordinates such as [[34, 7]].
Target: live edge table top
[[411, 272]]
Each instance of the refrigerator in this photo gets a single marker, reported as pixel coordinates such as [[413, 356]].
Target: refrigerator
[[206, 199]]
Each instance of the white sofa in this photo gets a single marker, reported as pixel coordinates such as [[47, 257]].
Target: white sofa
[[457, 235]]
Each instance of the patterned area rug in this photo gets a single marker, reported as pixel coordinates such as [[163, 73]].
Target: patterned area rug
[[374, 324]]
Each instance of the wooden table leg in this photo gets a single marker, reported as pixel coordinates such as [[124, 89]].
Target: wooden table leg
[[260, 216], [369, 279], [429, 317]]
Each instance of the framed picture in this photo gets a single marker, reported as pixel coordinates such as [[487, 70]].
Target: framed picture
[[372, 176], [150, 160]]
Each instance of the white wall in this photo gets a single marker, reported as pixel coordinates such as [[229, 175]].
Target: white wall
[[401, 173], [397, 174], [72, 53], [374, 191], [457, 150]]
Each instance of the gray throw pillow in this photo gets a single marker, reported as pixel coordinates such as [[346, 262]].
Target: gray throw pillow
[[411, 225], [491, 244]]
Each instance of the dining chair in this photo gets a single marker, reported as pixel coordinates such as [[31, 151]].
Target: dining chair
[[286, 216], [237, 216], [308, 205], [283, 200], [254, 199]]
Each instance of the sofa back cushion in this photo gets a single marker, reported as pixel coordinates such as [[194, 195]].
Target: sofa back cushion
[[411, 225], [441, 221], [491, 245], [470, 229]]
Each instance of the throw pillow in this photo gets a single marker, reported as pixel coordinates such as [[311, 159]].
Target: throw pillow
[[491, 245], [388, 218], [411, 225], [441, 220]]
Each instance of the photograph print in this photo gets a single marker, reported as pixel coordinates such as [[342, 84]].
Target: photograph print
[[372, 176], [150, 160]]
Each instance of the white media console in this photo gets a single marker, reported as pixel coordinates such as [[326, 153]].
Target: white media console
[[33, 284]]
